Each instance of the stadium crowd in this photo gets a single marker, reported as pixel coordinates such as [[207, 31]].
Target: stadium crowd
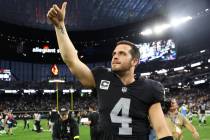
[[45, 102]]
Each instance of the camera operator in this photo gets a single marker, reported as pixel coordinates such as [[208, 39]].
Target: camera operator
[[65, 128], [176, 121]]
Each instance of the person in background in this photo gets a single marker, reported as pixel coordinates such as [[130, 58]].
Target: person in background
[[53, 116], [2, 131], [183, 110], [9, 121], [37, 122], [65, 127], [93, 118], [177, 122], [202, 113], [78, 116], [26, 120]]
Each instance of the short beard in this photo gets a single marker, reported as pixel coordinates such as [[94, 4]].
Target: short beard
[[119, 72], [116, 71]]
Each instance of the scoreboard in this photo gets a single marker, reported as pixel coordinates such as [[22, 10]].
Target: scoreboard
[[5, 74]]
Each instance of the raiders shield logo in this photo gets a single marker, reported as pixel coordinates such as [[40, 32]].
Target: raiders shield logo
[[68, 129], [124, 89], [104, 84]]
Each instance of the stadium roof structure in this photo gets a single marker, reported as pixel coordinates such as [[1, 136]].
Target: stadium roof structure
[[94, 14], [95, 26]]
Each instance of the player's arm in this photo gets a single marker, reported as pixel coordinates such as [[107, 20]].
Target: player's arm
[[159, 123], [55, 134], [75, 128], [87, 122], [191, 128], [5, 121], [68, 52], [70, 57]]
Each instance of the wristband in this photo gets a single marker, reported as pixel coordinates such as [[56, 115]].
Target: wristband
[[167, 138], [76, 137]]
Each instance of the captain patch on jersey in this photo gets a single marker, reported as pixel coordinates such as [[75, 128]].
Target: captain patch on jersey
[[104, 84]]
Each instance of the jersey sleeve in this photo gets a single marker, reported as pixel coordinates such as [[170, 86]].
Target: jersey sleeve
[[90, 117], [157, 92], [55, 133], [75, 128], [98, 73]]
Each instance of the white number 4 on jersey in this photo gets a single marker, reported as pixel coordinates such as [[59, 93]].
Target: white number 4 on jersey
[[122, 105]]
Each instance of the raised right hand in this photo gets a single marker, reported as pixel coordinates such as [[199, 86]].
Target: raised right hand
[[57, 15]]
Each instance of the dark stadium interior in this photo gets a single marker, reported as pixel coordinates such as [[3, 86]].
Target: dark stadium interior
[[94, 14], [97, 25], [94, 27]]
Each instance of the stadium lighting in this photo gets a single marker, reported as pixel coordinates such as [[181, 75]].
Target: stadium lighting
[[146, 32], [163, 71], [69, 90], [49, 91], [72, 90], [10, 91], [186, 70], [146, 74], [177, 21], [202, 51], [206, 10], [56, 81], [179, 83], [208, 60], [200, 81], [4, 76], [86, 90], [178, 68], [66, 91], [185, 19], [160, 28], [29, 91], [195, 64]]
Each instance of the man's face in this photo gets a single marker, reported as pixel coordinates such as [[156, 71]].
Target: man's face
[[121, 58], [174, 105], [64, 115]]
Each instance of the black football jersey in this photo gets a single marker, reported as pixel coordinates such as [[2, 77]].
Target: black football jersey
[[123, 109], [203, 108], [53, 116], [65, 130], [93, 117]]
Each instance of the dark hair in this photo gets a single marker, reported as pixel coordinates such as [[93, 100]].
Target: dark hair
[[63, 109], [134, 50], [166, 104], [92, 106]]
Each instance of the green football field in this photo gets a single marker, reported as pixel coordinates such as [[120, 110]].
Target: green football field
[[20, 134]]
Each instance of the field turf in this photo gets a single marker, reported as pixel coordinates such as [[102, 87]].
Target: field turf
[[28, 134]]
